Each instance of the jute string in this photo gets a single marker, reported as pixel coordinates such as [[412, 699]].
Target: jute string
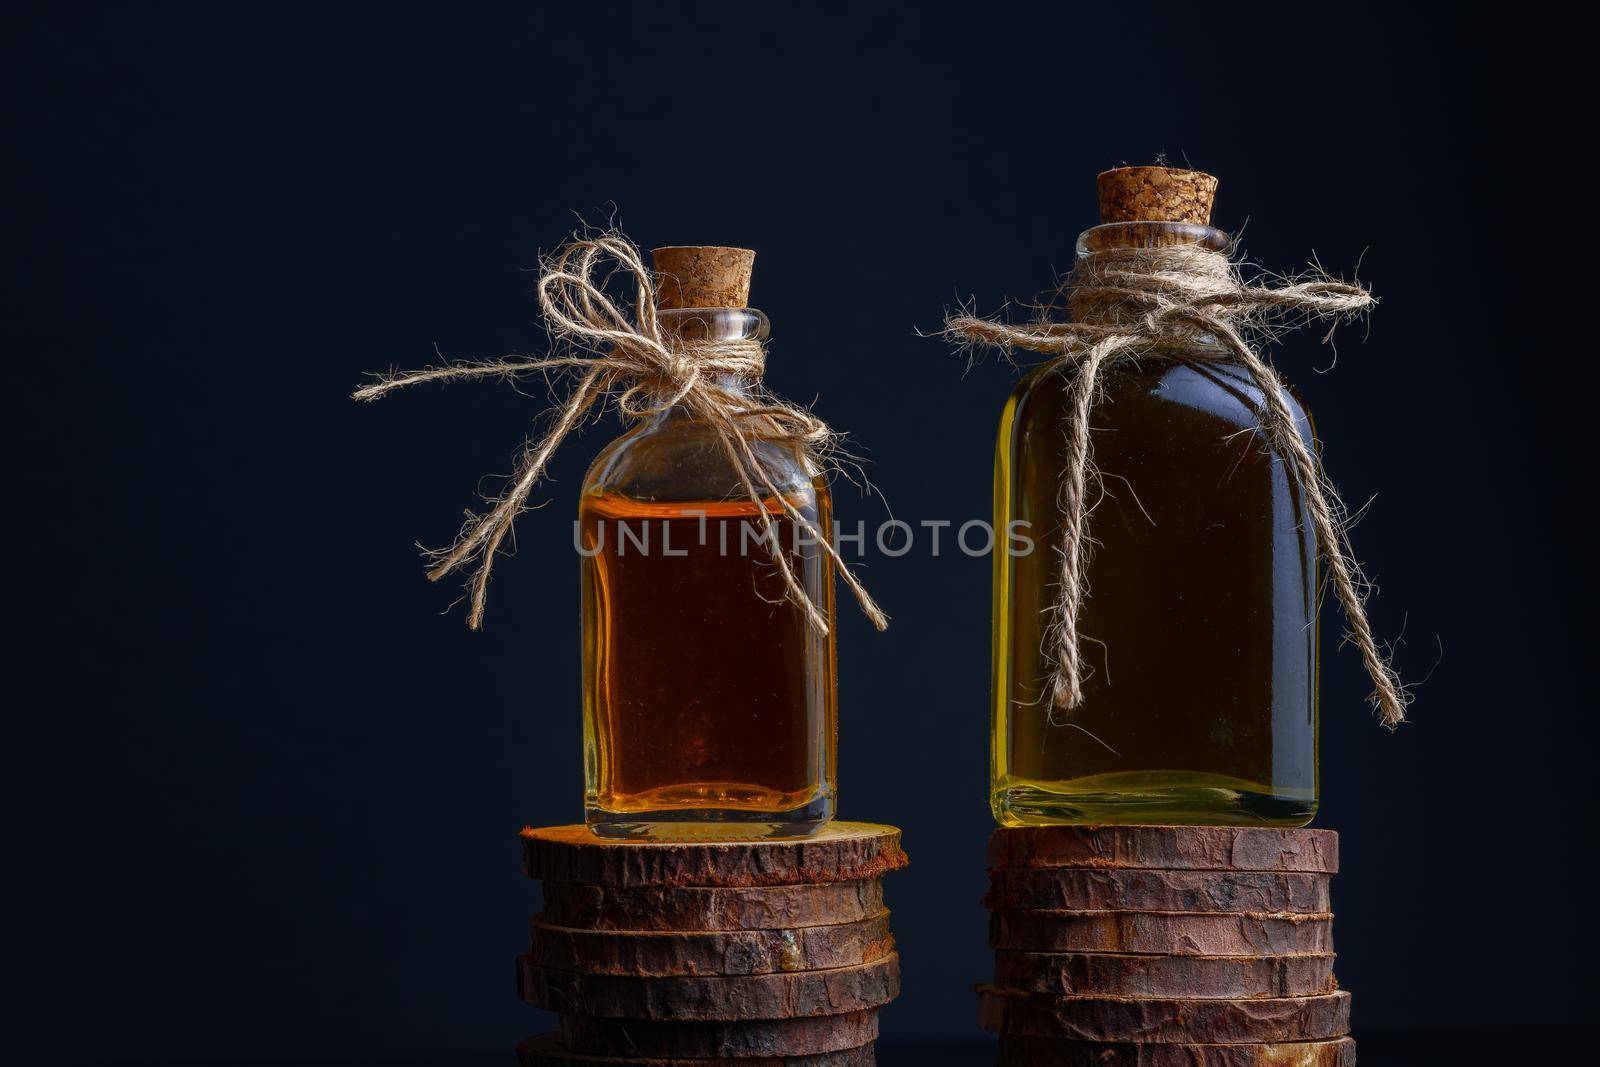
[[1148, 303], [645, 370]]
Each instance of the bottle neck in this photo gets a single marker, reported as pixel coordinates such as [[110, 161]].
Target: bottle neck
[[1127, 270], [1112, 236], [731, 335], [714, 324]]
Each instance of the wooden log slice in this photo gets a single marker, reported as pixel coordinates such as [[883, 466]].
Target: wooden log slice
[[809, 1036], [547, 1051], [1087, 889], [1183, 1021], [696, 998], [737, 952], [1163, 933], [1195, 977], [1016, 1051], [1207, 848], [839, 852], [682, 908]]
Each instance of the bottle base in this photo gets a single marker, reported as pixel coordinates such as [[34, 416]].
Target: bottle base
[[1165, 799], [709, 824]]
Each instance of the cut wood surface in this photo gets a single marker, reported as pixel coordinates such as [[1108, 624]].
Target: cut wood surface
[[839, 852], [1216, 848], [1223, 1022], [601, 907], [547, 1051], [1163, 933], [737, 952], [1088, 889], [1018, 1051], [1163, 976], [808, 1036], [695, 998]]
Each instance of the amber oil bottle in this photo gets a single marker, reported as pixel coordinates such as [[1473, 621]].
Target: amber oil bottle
[[708, 697]]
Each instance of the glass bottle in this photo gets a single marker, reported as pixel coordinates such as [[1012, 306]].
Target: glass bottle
[[1199, 630], [708, 698]]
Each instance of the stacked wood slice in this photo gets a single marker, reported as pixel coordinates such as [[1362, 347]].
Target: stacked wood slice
[[1164, 946], [773, 953]]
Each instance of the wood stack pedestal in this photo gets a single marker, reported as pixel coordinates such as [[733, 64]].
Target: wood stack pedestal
[[1164, 946], [768, 953]]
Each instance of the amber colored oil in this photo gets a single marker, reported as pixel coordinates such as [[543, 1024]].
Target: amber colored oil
[[708, 698], [1199, 632]]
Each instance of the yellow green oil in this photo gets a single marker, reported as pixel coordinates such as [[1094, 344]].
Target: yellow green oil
[[1199, 631]]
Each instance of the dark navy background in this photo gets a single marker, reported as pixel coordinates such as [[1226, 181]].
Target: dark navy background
[[266, 787]]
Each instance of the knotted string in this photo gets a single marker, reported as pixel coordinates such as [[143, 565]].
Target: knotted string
[[646, 370], [1129, 303]]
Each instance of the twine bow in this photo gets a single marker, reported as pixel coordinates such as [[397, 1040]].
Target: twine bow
[[646, 370], [1128, 303]]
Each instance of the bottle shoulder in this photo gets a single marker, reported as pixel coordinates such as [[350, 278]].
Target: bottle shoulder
[[1161, 394], [674, 457]]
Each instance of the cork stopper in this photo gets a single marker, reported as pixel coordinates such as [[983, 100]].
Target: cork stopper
[[702, 276], [1156, 194]]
